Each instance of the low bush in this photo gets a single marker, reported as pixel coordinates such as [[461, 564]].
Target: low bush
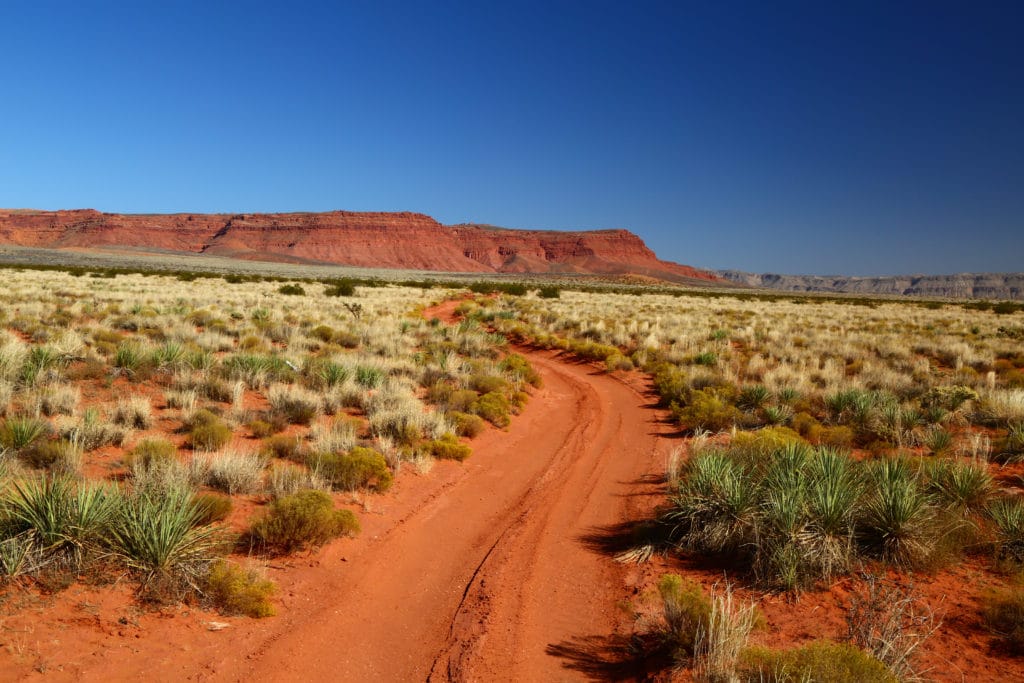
[[303, 519], [211, 508], [448, 447], [238, 590], [295, 404], [283, 446], [466, 424], [686, 609], [1003, 612], [207, 431], [706, 409], [821, 661], [359, 468], [291, 290], [493, 407]]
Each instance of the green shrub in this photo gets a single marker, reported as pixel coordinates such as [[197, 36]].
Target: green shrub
[[485, 384], [151, 453], [448, 447], [283, 446], [207, 431], [211, 508], [291, 290], [237, 590], [306, 518], [686, 610], [706, 409], [549, 292], [466, 424], [360, 467], [1003, 612], [520, 368], [821, 661], [340, 288], [493, 407]]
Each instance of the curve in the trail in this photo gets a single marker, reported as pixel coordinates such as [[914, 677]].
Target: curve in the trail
[[470, 573], [482, 578]]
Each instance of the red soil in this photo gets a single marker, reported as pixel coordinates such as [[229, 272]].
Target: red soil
[[374, 240], [497, 569]]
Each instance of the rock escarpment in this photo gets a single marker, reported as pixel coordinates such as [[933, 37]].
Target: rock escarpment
[[959, 286], [370, 239]]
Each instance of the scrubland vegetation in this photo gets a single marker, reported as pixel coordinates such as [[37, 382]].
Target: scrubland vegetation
[[136, 411], [824, 439]]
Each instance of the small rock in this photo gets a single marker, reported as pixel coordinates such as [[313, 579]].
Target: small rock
[[217, 625]]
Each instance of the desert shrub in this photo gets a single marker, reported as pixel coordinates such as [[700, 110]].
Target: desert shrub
[[962, 485], [360, 467], [211, 508], [721, 642], [150, 453], [838, 436], [62, 520], [1003, 612], [60, 456], [766, 440], [291, 290], [286, 478], [93, 431], [706, 409], [18, 433], [484, 384], [518, 367], [297, 405], [207, 431], [549, 292], [158, 538], [493, 407], [261, 429], [448, 447], [948, 397], [460, 400], [283, 446], [466, 424], [239, 590], [899, 514], [58, 400], [1007, 515], [134, 412], [889, 621], [230, 471], [303, 519], [369, 377], [341, 287], [686, 609], [821, 661]]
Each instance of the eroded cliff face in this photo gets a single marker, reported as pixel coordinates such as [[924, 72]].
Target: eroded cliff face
[[370, 239]]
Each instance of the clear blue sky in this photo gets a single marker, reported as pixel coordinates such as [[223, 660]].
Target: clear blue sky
[[878, 138]]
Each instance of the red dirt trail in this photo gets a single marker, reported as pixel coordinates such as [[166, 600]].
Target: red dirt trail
[[468, 573]]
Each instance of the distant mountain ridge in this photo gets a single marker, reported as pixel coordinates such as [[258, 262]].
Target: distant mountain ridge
[[958, 286], [402, 240]]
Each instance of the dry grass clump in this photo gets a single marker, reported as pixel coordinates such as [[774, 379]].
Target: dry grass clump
[[134, 412], [230, 471]]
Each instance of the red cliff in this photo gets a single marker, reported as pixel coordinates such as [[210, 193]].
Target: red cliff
[[370, 239]]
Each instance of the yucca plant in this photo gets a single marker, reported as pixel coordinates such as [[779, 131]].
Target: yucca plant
[[962, 485], [157, 537], [898, 515], [938, 441], [1007, 515], [716, 507], [332, 374], [20, 432], [753, 397], [38, 360], [63, 520], [834, 490], [129, 356], [169, 356], [18, 556]]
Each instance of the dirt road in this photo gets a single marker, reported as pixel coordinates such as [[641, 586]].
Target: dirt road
[[469, 573]]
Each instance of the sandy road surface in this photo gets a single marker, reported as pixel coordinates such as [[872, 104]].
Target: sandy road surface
[[469, 573]]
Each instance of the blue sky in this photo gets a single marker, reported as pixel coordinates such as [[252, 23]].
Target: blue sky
[[878, 138]]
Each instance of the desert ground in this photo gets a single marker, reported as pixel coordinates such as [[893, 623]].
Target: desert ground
[[254, 477]]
